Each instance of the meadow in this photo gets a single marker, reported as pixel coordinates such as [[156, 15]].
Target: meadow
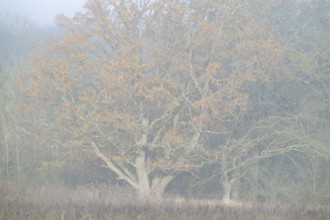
[[120, 203]]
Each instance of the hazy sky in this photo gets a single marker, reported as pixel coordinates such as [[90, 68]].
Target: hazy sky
[[41, 11]]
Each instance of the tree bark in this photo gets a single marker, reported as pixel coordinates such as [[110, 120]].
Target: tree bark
[[227, 187], [159, 184], [226, 192], [144, 187]]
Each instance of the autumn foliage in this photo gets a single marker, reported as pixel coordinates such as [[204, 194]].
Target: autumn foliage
[[143, 84]]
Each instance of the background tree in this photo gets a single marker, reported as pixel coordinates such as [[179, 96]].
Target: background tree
[[292, 111], [16, 36], [283, 123]]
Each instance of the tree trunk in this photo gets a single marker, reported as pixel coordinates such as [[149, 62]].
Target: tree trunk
[[140, 179], [7, 158], [226, 192], [159, 185], [144, 187], [227, 186], [255, 181], [236, 188]]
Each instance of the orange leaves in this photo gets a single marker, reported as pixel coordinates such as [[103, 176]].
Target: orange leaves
[[169, 136], [181, 67], [118, 158]]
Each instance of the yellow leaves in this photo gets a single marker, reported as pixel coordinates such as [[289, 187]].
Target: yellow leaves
[[175, 137]]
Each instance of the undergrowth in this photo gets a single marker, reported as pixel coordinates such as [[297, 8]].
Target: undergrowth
[[120, 203]]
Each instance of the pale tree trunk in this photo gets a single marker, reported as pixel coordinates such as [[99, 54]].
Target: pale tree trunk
[[227, 185], [236, 188], [7, 157], [139, 179], [255, 180], [146, 186], [159, 185], [17, 161], [142, 174], [226, 190], [142, 171]]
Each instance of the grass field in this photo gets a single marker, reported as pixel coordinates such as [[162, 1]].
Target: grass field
[[118, 203]]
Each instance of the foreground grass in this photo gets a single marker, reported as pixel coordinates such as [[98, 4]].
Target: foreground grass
[[117, 203]]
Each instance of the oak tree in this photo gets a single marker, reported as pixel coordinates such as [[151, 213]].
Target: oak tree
[[143, 84]]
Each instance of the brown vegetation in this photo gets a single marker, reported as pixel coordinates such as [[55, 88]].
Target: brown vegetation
[[120, 203]]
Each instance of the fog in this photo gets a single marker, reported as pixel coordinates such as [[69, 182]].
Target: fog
[[157, 109], [42, 12]]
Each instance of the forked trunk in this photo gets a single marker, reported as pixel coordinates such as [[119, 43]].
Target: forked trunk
[[154, 187]]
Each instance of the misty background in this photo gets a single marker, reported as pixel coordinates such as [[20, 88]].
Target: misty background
[[40, 12]]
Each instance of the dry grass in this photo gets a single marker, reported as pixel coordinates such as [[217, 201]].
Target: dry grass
[[118, 203]]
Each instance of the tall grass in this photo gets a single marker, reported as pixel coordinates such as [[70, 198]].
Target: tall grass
[[120, 203]]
